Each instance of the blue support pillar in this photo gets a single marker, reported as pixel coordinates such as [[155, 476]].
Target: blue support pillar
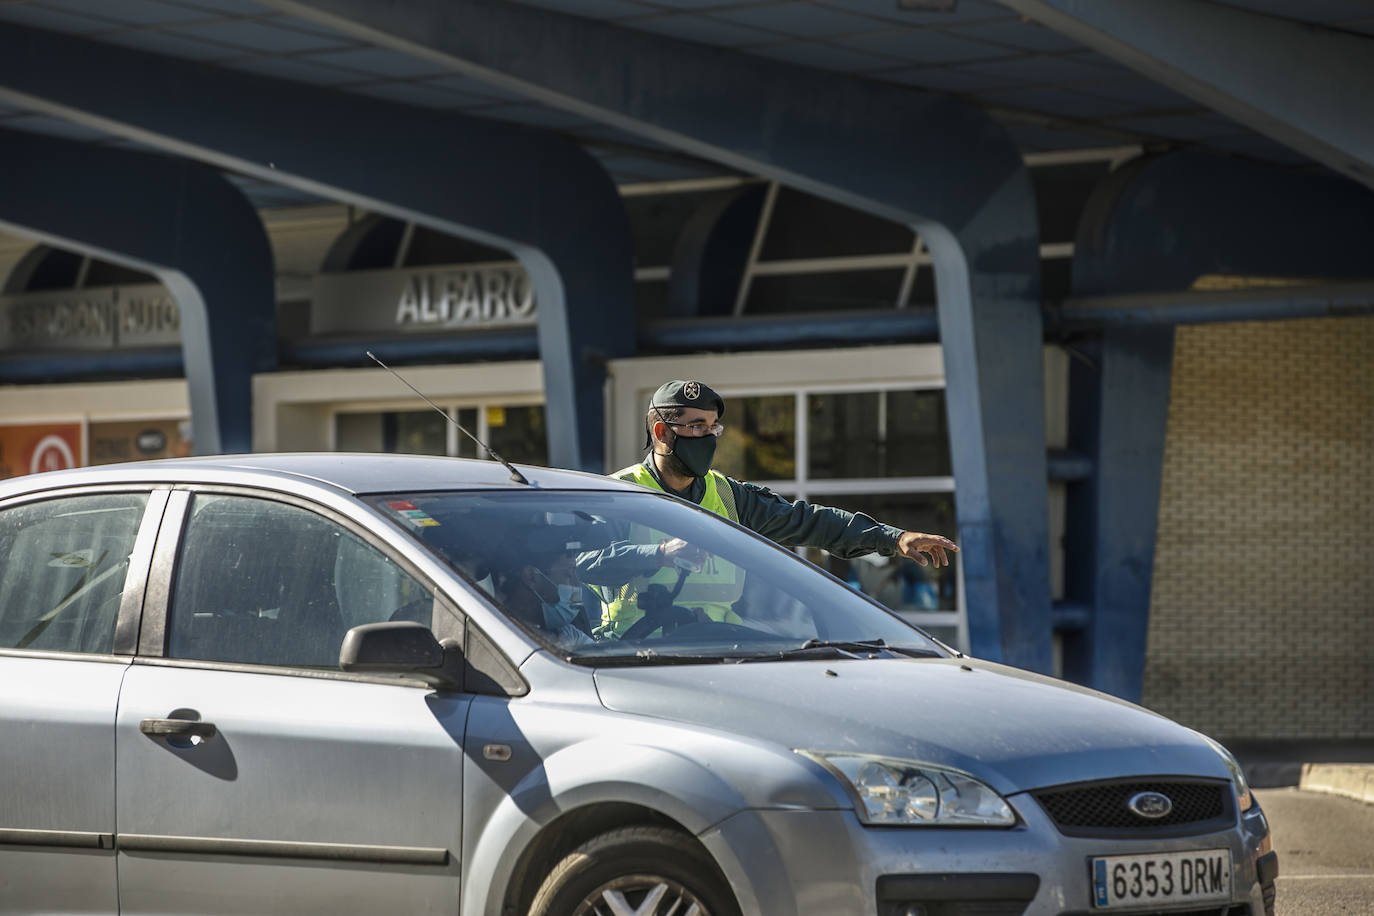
[[1157, 225], [529, 191], [1119, 404], [180, 221], [935, 164]]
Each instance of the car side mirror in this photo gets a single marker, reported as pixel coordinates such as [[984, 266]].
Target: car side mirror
[[402, 648]]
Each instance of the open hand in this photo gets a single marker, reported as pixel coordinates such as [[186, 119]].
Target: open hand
[[677, 552], [915, 546]]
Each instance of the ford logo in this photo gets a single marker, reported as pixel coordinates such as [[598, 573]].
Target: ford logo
[[1152, 805]]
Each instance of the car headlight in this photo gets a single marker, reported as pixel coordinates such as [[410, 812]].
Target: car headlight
[[907, 793], [1244, 800]]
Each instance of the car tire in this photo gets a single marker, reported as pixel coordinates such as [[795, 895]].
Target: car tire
[[646, 871]]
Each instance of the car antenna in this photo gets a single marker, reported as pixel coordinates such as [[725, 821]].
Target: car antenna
[[514, 474]]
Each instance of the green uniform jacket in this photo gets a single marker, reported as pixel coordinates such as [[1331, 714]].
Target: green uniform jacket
[[791, 524], [799, 523]]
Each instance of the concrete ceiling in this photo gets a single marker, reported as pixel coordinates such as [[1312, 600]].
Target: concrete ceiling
[[1051, 93]]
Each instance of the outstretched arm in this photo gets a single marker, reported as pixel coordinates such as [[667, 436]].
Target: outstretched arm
[[845, 534]]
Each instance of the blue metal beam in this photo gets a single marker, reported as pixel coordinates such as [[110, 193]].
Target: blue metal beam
[[915, 325], [172, 218], [1322, 300], [162, 362], [516, 344], [1305, 86], [528, 191], [925, 160]]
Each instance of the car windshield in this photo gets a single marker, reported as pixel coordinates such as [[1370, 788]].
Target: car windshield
[[640, 578]]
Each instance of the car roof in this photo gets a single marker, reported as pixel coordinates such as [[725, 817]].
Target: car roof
[[352, 473]]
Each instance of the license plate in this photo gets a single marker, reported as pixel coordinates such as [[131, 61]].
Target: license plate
[[1122, 882]]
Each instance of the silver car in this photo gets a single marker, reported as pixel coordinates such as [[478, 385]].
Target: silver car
[[383, 684]]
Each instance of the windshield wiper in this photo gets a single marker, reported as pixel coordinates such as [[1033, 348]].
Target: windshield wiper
[[844, 645], [812, 648], [653, 657], [849, 648]]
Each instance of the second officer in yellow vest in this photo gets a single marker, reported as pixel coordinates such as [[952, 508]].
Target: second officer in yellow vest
[[682, 426]]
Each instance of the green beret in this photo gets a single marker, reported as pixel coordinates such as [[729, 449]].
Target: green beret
[[678, 393]]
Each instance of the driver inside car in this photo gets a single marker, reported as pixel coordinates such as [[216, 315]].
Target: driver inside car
[[542, 591], [662, 581]]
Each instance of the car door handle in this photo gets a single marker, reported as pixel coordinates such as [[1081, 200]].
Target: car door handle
[[178, 728]]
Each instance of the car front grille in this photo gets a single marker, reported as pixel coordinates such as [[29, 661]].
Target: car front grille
[[1102, 810], [956, 894]]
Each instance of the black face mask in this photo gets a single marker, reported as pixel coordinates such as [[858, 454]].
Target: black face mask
[[695, 453]]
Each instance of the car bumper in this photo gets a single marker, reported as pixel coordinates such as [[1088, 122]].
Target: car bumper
[[808, 863]]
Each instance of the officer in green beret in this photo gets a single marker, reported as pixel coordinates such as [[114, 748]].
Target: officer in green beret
[[682, 426]]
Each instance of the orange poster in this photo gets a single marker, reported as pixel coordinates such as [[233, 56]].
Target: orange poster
[[41, 447]]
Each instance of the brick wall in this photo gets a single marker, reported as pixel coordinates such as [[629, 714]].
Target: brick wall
[[1262, 611]]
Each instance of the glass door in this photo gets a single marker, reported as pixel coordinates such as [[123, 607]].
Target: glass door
[[881, 451]]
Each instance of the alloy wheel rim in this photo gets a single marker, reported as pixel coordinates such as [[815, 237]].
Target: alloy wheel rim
[[641, 895]]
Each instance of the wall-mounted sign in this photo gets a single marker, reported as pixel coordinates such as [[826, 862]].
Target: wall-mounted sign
[[101, 318], [39, 447], [135, 440], [423, 299]]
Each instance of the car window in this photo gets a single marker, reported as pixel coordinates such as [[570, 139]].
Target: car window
[[263, 582], [65, 562], [641, 577]]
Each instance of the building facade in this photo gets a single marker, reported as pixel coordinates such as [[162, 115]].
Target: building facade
[[1014, 271]]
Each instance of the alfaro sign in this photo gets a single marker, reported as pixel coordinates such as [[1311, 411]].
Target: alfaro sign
[[431, 299], [102, 318]]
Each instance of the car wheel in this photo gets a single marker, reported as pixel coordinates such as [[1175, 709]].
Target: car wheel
[[635, 871]]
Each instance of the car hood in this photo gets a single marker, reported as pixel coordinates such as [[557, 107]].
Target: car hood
[[1012, 729]]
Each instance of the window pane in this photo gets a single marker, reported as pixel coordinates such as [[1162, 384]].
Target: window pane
[[589, 573], [430, 247], [467, 417], [1062, 191], [103, 273], [651, 300], [369, 244], [517, 434], [265, 583], [877, 434], [411, 432], [760, 440], [358, 432], [657, 220], [417, 432], [774, 294], [65, 561], [47, 268], [809, 227], [901, 584]]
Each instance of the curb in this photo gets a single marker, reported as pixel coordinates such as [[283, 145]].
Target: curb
[[1352, 780]]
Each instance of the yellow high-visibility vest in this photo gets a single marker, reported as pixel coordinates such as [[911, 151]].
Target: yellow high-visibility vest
[[713, 589]]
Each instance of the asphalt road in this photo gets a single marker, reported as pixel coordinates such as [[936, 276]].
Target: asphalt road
[[1326, 852]]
